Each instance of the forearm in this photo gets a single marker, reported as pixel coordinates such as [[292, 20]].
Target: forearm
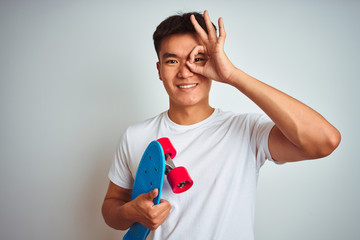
[[301, 125], [118, 214]]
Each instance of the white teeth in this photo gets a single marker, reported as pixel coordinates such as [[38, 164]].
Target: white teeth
[[187, 86]]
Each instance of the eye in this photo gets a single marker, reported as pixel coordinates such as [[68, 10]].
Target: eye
[[198, 59], [171, 61]]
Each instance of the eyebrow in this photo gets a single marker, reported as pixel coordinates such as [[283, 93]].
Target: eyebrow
[[173, 55], [168, 55]]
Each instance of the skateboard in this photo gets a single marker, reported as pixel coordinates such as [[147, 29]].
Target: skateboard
[[155, 163]]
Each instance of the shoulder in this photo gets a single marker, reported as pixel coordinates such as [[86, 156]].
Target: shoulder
[[244, 125], [242, 119]]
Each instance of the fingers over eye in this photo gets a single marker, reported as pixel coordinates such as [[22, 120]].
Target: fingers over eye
[[198, 50]]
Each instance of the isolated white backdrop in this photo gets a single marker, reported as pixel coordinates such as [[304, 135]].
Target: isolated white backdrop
[[75, 74]]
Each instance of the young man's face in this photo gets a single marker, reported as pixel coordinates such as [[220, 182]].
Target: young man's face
[[184, 87]]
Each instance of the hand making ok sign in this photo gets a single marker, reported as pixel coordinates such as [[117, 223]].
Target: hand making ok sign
[[218, 66]]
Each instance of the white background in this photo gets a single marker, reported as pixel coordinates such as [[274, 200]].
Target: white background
[[75, 74]]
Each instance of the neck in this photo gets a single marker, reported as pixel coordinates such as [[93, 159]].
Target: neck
[[189, 115]]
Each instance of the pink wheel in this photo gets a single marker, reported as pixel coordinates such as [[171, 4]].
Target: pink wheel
[[167, 147], [179, 180]]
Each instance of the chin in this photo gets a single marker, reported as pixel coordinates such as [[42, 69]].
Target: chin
[[191, 103]]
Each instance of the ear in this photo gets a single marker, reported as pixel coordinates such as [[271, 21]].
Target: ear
[[158, 68]]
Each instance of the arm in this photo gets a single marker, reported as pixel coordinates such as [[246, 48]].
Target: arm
[[120, 212], [299, 132]]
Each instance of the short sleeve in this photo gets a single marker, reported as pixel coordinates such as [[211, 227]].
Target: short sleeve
[[260, 138], [120, 173]]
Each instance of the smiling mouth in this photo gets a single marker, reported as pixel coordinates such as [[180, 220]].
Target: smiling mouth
[[187, 86]]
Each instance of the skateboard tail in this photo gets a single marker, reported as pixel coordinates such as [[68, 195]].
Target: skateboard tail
[[137, 232]]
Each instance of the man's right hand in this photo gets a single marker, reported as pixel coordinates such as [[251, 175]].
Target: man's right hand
[[120, 212], [149, 215]]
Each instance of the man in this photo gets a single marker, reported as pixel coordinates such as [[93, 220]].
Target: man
[[222, 151]]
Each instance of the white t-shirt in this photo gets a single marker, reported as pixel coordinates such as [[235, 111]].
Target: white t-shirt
[[223, 155]]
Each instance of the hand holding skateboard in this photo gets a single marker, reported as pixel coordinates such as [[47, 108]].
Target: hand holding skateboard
[[151, 216]]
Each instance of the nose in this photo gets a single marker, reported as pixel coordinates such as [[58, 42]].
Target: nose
[[184, 72]]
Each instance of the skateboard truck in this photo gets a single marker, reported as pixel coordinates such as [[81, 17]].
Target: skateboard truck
[[178, 177], [169, 164]]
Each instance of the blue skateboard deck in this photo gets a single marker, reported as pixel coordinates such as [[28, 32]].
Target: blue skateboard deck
[[149, 175]]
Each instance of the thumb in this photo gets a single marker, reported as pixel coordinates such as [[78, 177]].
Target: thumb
[[152, 194], [195, 68]]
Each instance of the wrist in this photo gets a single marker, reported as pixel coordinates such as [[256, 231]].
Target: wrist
[[124, 216], [235, 77], [129, 211], [243, 82]]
